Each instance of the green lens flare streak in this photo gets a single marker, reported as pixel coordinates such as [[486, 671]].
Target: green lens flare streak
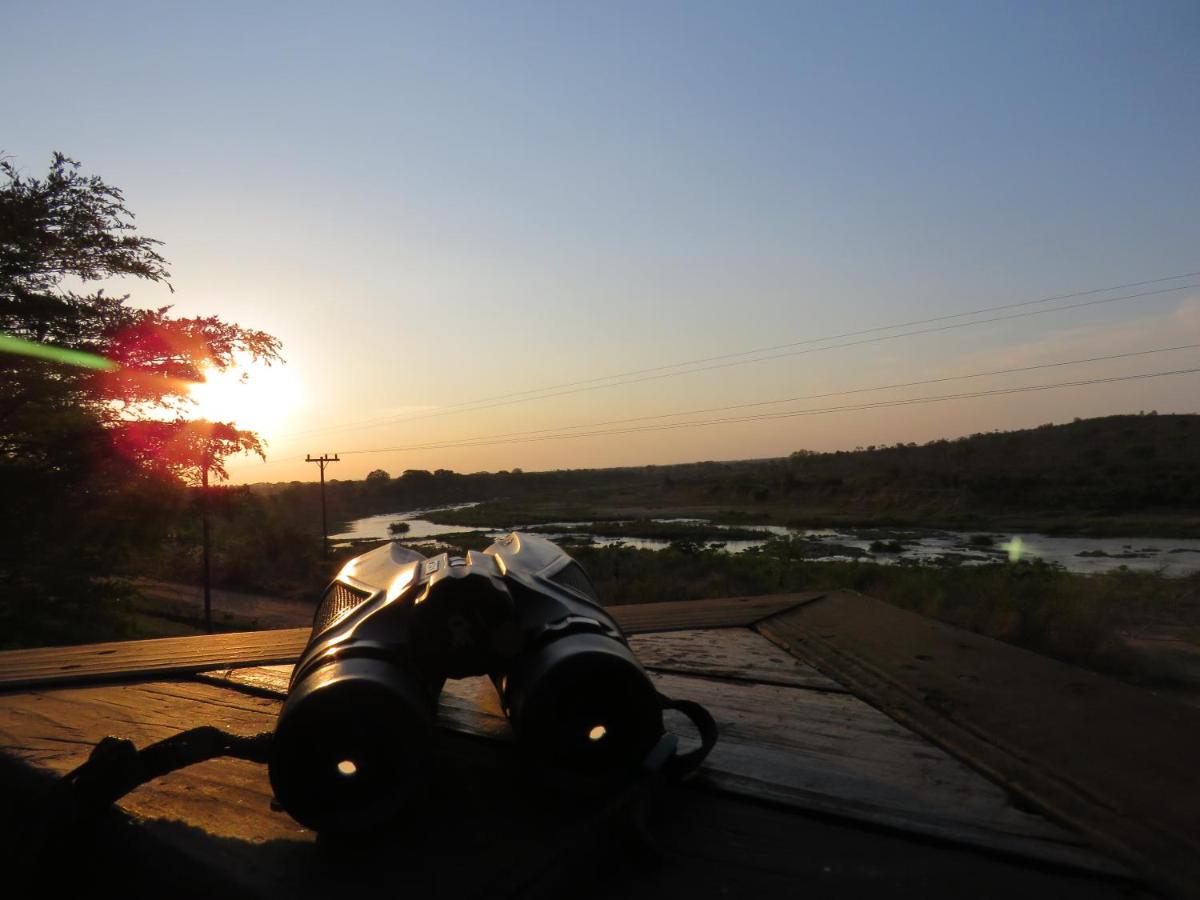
[[21, 347]]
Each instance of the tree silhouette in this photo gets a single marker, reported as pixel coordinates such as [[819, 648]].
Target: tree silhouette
[[95, 390]]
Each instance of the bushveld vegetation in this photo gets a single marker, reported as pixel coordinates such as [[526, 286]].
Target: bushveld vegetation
[[265, 538], [1117, 475], [1081, 619]]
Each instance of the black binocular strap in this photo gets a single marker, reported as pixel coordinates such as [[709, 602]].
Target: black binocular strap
[[680, 766], [115, 766]]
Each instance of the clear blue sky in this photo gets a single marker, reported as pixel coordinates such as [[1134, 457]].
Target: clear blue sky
[[435, 203]]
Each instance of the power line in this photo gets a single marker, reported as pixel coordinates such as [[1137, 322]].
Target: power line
[[865, 390], [881, 404], [740, 362], [849, 392], [986, 309]]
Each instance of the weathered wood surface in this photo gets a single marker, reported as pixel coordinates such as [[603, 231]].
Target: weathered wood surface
[[1116, 761], [209, 830], [736, 653], [730, 612], [160, 657], [789, 736], [811, 750], [815, 750], [485, 837]]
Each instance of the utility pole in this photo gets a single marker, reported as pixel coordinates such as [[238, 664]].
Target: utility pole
[[322, 461], [205, 539]]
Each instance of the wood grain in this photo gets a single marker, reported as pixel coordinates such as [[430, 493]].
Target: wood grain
[[813, 750], [1115, 761], [156, 658], [209, 829], [737, 653], [729, 612]]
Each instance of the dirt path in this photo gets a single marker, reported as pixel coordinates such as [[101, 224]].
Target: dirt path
[[183, 604]]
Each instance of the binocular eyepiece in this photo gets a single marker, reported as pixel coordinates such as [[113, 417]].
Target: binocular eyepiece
[[356, 731]]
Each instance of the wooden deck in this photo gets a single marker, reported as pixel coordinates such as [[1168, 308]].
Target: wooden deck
[[810, 787]]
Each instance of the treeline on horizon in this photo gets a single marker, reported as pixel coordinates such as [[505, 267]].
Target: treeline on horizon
[[1134, 469], [1131, 467]]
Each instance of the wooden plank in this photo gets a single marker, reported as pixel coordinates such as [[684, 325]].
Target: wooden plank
[[185, 655], [467, 705], [723, 847], [834, 754], [729, 612], [737, 653], [208, 830], [811, 750], [1115, 761], [140, 659]]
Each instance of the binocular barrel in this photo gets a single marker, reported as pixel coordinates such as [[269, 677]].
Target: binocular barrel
[[355, 735]]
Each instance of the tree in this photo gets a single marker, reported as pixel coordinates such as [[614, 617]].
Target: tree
[[378, 476], [68, 226], [193, 452], [92, 415]]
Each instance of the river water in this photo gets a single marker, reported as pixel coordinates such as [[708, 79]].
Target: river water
[[1087, 555]]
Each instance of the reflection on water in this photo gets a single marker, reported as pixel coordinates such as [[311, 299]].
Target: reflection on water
[[375, 528], [1170, 556]]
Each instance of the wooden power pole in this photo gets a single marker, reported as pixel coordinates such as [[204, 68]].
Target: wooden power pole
[[205, 542], [322, 461]]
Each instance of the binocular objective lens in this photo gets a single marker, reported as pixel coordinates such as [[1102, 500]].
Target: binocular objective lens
[[582, 704], [351, 747]]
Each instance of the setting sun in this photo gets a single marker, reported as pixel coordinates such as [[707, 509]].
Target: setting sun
[[254, 397]]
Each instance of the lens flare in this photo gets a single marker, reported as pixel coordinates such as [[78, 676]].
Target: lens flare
[[254, 397], [347, 768], [10, 343], [597, 733], [1016, 548]]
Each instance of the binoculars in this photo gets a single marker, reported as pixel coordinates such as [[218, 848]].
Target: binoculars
[[355, 735]]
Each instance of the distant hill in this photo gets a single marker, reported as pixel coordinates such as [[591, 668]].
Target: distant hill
[[1116, 466], [1117, 474]]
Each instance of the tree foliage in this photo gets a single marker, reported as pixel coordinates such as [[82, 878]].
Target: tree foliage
[[57, 235], [86, 450]]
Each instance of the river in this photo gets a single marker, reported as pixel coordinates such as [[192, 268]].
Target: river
[[1087, 555]]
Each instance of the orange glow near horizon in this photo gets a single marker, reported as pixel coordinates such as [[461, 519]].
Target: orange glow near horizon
[[254, 397]]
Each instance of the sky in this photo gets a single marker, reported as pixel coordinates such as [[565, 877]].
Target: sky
[[436, 204]]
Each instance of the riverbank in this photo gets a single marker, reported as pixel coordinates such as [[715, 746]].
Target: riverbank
[[506, 514], [884, 545]]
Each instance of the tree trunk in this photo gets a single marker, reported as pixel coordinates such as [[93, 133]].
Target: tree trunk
[[207, 574]]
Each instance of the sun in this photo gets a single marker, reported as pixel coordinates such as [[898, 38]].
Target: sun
[[251, 396]]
